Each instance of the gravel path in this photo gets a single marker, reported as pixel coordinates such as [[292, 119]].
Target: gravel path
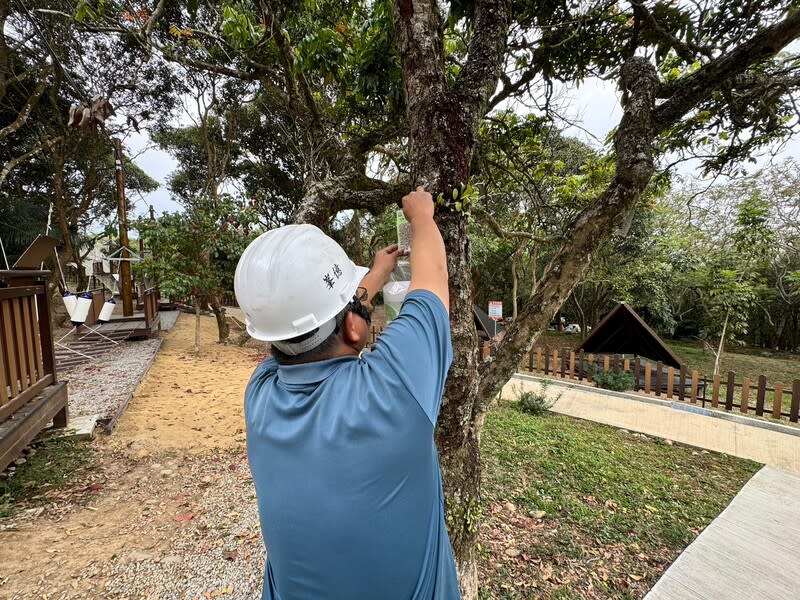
[[104, 386], [217, 553]]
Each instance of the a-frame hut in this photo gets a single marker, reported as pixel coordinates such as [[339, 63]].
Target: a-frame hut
[[625, 332]]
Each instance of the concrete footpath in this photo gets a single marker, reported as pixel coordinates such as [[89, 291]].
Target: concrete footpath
[[772, 444], [751, 550]]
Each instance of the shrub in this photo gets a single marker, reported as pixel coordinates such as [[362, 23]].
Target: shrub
[[536, 403], [615, 380]]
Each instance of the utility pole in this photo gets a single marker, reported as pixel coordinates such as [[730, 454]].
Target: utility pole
[[125, 264]]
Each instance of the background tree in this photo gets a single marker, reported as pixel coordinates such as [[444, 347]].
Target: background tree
[[47, 64], [193, 254]]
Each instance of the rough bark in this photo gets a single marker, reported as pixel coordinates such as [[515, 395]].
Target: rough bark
[[223, 329], [326, 198], [442, 125]]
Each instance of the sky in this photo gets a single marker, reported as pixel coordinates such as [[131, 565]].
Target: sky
[[595, 104]]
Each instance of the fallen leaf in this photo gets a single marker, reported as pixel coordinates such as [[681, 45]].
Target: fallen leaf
[[184, 517]]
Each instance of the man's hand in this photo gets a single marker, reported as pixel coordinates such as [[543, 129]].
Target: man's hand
[[382, 266], [385, 261], [418, 205]]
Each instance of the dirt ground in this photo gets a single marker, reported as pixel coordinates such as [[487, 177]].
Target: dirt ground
[[181, 438]]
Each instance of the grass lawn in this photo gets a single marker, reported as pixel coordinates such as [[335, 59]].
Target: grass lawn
[[576, 510], [776, 366], [55, 463]]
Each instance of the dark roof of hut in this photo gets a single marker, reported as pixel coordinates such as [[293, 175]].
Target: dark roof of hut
[[625, 332]]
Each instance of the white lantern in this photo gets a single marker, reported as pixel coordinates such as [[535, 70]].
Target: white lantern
[[70, 300], [107, 311], [81, 310]]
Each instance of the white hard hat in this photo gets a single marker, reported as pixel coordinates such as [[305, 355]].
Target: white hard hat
[[292, 280]]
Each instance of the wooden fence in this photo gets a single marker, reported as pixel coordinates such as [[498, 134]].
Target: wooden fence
[[30, 395], [747, 395], [655, 379]]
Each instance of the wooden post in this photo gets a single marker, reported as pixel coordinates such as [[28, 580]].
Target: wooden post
[[777, 401], [745, 395], [626, 364], [647, 378], [670, 382], [564, 358], [124, 264], [695, 377], [546, 363], [538, 359], [581, 371], [762, 392], [589, 371], [715, 392], [572, 365], [485, 350], [636, 371], [531, 359], [606, 363], [659, 378], [730, 390], [682, 384], [795, 409], [554, 362]]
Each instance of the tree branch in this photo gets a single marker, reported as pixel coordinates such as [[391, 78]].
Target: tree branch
[[488, 220], [477, 81], [717, 74], [326, 198], [14, 162], [634, 156], [30, 104], [287, 61], [688, 52]]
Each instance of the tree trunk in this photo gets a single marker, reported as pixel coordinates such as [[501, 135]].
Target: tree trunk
[[721, 348], [218, 309], [778, 332], [196, 325]]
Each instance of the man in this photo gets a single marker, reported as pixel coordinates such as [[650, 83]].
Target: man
[[340, 441]]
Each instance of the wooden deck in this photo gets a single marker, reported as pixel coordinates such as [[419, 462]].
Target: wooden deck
[[136, 326], [750, 551]]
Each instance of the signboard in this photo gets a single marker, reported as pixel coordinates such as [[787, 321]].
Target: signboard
[[495, 310]]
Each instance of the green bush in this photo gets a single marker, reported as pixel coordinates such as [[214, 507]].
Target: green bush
[[618, 381], [536, 403]]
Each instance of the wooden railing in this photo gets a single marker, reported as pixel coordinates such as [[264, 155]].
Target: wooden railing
[[28, 388], [26, 345]]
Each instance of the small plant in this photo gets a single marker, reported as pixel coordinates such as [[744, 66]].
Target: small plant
[[536, 403], [615, 380]]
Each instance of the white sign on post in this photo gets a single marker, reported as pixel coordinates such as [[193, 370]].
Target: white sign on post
[[495, 310], [495, 313]]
